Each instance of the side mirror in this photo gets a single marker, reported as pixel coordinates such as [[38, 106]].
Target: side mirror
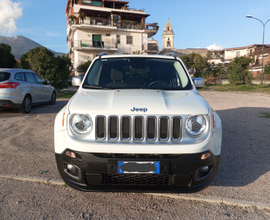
[[46, 82], [198, 82], [76, 81]]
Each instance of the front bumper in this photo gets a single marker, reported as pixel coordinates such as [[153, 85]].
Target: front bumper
[[99, 172]]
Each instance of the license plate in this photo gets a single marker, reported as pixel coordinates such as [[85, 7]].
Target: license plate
[[138, 167]]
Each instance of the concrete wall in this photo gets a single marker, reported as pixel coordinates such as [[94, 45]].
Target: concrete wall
[[231, 54]]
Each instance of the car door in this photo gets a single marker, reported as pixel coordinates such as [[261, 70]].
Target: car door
[[46, 89], [35, 88]]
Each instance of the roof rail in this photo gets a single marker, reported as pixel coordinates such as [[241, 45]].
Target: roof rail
[[171, 54], [103, 54]]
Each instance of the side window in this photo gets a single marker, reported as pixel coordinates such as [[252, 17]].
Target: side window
[[30, 78], [20, 76], [39, 79]]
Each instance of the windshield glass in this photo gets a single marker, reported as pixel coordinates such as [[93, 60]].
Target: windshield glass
[[137, 73]]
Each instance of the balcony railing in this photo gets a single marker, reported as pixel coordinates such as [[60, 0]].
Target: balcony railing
[[93, 44], [124, 24]]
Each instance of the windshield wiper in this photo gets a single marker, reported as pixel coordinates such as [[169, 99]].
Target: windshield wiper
[[94, 87]]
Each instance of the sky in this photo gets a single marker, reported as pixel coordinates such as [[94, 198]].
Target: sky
[[196, 23]]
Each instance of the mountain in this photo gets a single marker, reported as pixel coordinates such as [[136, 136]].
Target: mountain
[[21, 45]]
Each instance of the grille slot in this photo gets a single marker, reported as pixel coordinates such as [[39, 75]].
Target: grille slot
[[138, 180], [101, 127], [113, 127], [138, 128], [164, 128], [125, 128], [151, 128], [176, 128]]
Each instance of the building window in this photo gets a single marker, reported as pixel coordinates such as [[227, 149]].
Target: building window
[[108, 35], [237, 53], [97, 42], [129, 40], [88, 2], [118, 39]]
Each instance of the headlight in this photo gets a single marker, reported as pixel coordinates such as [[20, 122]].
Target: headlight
[[196, 124], [81, 124]]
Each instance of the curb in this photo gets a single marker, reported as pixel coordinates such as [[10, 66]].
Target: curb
[[36, 180], [212, 200], [217, 200]]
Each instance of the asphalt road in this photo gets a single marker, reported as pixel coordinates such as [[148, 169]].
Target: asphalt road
[[240, 191]]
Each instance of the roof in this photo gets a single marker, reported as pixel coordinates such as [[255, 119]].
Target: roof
[[168, 24], [246, 47]]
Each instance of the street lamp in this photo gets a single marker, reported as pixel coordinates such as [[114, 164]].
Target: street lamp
[[250, 16]]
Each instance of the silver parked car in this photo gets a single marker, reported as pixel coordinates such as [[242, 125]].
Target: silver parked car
[[21, 88]]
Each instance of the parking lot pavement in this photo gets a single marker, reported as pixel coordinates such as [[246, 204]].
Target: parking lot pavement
[[59, 202], [27, 151]]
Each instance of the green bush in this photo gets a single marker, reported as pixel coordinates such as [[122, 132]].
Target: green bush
[[238, 71]]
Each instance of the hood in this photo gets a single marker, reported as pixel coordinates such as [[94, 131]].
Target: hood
[[138, 102]]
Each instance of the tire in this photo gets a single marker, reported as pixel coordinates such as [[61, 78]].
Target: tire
[[26, 105], [53, 98]]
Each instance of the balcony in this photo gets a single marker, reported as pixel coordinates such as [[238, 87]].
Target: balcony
[[92, 45], [150, 48], [151, 29], [109, 24]]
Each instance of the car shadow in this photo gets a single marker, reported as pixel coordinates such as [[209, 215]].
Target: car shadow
[[245, 146], [39, 109]]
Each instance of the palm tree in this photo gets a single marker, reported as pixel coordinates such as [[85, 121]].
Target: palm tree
[[82, 17], [72, 17]]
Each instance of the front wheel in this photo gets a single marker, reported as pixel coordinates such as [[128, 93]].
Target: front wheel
[[26, 105], [53, 98]]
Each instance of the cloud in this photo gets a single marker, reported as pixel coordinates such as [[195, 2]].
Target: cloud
[[215, 47], [9, 13]]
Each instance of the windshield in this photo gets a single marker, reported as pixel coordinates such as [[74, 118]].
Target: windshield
[[137, 73]]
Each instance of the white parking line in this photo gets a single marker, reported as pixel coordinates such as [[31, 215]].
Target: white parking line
[[214, 200]]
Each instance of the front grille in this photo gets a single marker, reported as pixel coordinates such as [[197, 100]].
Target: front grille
[[138, 180], [139, 128]]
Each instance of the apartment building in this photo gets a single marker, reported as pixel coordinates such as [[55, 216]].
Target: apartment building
[[95, 26], [254, 51]]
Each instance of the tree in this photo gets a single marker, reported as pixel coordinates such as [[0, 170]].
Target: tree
[[195, 63], [267, 69], [72, 17], [40, 60], [59, 75], [82, 17], [238, 71], [220, 71], [7, 59], [84, 66], [43, 62]]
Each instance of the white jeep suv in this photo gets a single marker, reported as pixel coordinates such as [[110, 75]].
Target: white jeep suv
[[138, 123]]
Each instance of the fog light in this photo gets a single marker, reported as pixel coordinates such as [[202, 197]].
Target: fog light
[[205, 169], [205, 156], [71, 167], [72, 170], [70, 154]]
